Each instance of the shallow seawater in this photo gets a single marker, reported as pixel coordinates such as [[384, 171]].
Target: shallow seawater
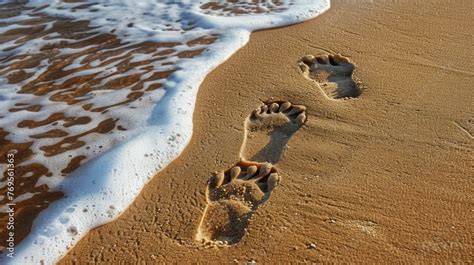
[[97, 96]]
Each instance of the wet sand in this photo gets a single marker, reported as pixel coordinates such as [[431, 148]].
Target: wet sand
[[383, 177]]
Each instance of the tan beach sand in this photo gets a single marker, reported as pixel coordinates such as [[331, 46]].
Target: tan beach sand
[[385, 177]]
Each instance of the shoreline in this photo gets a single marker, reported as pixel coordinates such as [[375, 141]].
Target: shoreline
[[384, 176], [116, 74]]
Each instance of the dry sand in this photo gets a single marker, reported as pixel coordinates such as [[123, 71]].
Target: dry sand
[[385, 177]]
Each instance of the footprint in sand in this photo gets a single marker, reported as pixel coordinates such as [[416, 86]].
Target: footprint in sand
[[333, 73], [233, 196], [268, 129]]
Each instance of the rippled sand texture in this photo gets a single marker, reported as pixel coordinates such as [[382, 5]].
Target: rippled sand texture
[[77, 94]]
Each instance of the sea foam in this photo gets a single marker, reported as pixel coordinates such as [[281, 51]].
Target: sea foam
[[117, 165]]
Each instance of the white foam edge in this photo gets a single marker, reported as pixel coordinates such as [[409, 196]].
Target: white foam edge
[[298, 12]]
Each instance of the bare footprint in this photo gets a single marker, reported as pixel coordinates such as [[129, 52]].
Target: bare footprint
[[268, 129], [333, 73], [233, 196]]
